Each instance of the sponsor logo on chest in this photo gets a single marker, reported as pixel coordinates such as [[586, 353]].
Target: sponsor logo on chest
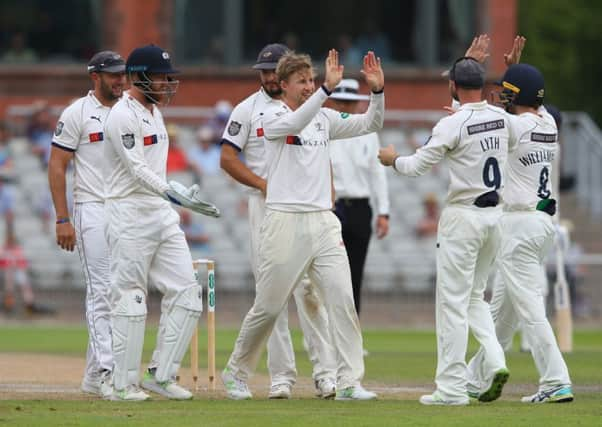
[[96, 137], [154, 139], [297, 140]]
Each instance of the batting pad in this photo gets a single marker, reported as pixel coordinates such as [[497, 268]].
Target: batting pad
[[129, 319], [180, 323]]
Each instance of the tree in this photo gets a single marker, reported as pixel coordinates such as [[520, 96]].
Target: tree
[[564, 41]]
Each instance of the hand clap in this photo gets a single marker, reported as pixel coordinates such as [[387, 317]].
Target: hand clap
[[334, 71], [373, 72]]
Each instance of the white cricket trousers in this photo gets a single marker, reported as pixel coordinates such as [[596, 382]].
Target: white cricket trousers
[[518, 298], [293, 244], [313, 319], [148, 247], [89, 224], [467, 242]]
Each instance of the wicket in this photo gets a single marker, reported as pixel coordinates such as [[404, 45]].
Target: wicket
[[194, 342]]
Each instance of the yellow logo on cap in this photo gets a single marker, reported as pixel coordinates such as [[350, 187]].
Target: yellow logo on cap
[[511, 87]]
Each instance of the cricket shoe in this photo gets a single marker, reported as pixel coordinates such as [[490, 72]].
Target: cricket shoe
[[237, 389], [169, 388], [106, 386], [355, 393], [325, 388], [280, 391], [131, 393], [495, 389], [437, 399], [560, 394], [91, 384]]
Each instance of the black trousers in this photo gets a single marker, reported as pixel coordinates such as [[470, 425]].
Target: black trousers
[[356, 220]]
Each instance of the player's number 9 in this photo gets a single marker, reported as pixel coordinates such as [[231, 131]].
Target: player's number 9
[[491, 173]]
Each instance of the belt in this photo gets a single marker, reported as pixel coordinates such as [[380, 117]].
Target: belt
[[487, 200], [349, 201]]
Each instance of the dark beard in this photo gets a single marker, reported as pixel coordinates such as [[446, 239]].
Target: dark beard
[[273, 93]]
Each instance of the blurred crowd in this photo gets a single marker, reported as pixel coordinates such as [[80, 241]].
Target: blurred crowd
[[194, 157]]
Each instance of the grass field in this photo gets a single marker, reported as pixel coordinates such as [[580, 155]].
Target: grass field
[[397, 359]]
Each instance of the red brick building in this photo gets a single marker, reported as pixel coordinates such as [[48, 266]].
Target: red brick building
[[126, 25]]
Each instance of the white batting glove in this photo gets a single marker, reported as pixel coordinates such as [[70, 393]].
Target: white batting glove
[[190, 197]]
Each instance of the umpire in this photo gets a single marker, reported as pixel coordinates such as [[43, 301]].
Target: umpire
[[358, 175]]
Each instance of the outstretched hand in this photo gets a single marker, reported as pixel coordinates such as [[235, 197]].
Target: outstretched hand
[[334, 71], [373, 72], [517, 49], [479, 49]]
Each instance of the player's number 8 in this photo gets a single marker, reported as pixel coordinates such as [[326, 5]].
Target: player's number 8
[[491, 173], [544, 177]]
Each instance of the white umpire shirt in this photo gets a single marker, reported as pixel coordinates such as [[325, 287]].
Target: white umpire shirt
[[358, 172], [297, 148], [529, 168], [475, 141], [80, 130], [135, 157], [245, 132]]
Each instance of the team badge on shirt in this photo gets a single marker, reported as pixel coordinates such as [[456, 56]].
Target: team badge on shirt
[[128, 140], [59, 128], [234, 128]]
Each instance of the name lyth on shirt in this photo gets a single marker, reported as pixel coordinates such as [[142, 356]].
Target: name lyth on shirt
[[535, 157], [490, 143]]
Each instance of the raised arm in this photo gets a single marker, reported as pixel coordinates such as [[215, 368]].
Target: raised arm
[[513, 57]]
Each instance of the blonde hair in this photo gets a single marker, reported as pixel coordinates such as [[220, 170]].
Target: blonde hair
[[292, 62]]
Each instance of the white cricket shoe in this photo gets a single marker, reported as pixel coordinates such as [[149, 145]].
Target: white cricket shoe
[[169, 388], [437, 399], [106, 386], [131, 393], [91, 384], [237, 389], [325, 388], [280, 391], [355, 393]]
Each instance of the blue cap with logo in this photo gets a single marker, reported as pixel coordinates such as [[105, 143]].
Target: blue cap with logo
[[149, 59]]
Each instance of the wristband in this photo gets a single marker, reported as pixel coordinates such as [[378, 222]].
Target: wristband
[[63, 220], [394, 161], [328, 92]]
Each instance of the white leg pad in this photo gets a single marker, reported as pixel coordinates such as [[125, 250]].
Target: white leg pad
[[128, 318], [180, 323]]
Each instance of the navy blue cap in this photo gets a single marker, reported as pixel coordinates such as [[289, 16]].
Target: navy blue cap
[[467, 73], [526, 83], [269, 56], [149, 59], [106, 61]]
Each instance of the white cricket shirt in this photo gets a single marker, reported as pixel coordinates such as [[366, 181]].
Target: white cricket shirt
[[474, 141], [135, 154], [297, 148], [80, 130], [357, 171], [529, 168], [245, 132]]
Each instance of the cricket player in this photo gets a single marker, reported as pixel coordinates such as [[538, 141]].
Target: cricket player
[[299, 234], [474, 141], [358, 175], [527, 234], [244, 133], [79, 136], [145, 240]]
